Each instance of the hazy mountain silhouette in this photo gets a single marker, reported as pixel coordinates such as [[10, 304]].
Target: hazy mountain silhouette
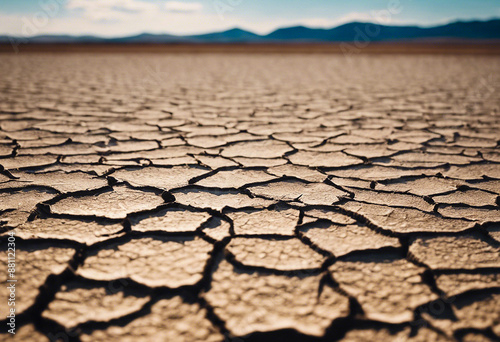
[[233, 35], [355, 31], [375, 32]]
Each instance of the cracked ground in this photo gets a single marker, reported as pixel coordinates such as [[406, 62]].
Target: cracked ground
[[227, 197]]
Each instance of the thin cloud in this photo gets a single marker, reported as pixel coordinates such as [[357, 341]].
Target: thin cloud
[[128, 5], [110, 9], [177, 6]]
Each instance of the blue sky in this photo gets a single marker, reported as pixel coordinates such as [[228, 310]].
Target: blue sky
[[124, 17]]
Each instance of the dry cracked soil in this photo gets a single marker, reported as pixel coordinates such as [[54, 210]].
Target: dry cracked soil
[[226, 197]]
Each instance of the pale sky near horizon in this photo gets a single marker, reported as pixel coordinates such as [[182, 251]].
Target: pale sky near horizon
[[126, 17]]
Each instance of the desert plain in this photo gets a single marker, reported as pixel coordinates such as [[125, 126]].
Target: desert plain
[[221, 196]]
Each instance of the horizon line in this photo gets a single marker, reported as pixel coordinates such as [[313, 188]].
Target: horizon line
[[375, 22]]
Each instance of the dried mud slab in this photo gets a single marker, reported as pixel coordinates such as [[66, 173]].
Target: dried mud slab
[[370, 335], [82, 231], [475, 171], [235, 178], [480, 215], [478, 337], [257, 149], [26, 333], [478, 312], [379, 173], [114, 204], [172, 262], [492, 185], [455, 284], [307, 193], [388, 289], [323, 159], [23, 199], [325, 214], [262, 222], [283, 255], [169, 220], [218, 199], [455, 252], [469, 197], [391, 199], [422, 159], [344, 239], [259, 162], [215, 162], [159, 154], [16, 206], [406, 220], [268, 302], [369, 151], [92, 169], [169, 320], [33, 266], [61, 181], [65, 149], [76, 303], [421, 186], [159, 177], [20, 162], [297, 171]]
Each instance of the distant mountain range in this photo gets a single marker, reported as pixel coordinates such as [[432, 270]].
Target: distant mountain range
[[351, 32]]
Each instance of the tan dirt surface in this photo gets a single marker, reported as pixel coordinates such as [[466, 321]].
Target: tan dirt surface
[[251, 197]]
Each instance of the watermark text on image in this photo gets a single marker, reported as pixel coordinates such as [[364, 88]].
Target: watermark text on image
[[11, 282]]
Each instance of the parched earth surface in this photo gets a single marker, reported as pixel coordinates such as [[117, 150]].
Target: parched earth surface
[[225, 197]]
